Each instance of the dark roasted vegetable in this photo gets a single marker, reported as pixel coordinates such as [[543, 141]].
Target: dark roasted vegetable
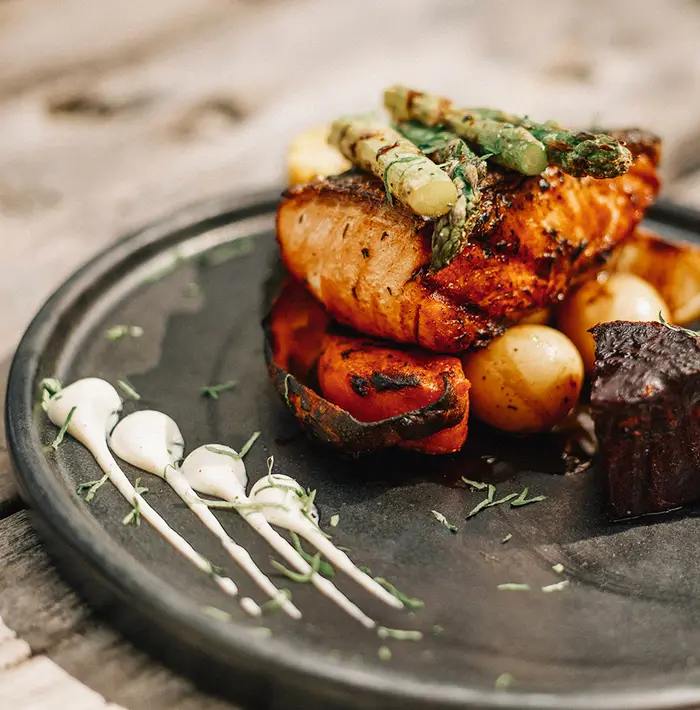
[[295, 331], [646, 405]]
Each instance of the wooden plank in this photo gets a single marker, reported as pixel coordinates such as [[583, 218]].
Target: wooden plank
[[9, 499], [36, 603]]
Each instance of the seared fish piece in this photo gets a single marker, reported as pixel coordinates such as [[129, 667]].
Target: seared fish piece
[[368, 261]]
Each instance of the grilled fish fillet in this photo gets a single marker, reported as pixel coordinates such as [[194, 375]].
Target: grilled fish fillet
[[368, 261]]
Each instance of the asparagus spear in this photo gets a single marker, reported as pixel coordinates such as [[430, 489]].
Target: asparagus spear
[[576, 153], [467, 170], [512, 146], [408, 174]]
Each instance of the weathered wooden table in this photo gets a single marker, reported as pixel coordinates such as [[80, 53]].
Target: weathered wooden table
[[115, 112]]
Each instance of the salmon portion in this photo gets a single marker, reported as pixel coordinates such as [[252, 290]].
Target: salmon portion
[[368, 261], [374, 381]]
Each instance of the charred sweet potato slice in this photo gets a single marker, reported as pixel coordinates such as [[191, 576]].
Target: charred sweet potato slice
[[374, 381], [296, 332]]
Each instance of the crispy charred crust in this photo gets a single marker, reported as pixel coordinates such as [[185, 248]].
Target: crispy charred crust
[[646, 404], [332, 425]]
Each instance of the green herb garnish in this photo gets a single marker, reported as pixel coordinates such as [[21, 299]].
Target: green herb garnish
[[408, 602], [384, 653], [214, 391], [117, 332], [522, 499], [128, 390], [476, 485], [217, 614], [442, 519], [503, 682], [506, 538], [324, 568], [284, 595], [249, 444], [513, 587], [437, 629], [335, 519], [557, 586], [687, 331], [399, 634], [50, 387], [62, 431], [88, 489], [298, 577], [558, 568], [134, 516]]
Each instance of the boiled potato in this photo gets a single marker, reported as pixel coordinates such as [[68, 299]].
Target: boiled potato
[[310, 157], [525, 381], [672, 268], [607, 298], [538, 317]]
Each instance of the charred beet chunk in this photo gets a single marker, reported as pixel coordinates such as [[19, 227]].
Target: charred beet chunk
[[646, 403]]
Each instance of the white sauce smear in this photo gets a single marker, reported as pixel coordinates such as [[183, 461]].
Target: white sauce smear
[[152, 441]]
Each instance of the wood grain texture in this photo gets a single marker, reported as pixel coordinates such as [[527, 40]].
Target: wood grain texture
[[120, 111]]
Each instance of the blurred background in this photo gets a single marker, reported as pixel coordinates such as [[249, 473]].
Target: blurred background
[[115, 112]]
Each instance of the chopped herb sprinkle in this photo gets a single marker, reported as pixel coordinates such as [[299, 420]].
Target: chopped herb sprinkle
[[557, 586], [298, 577], [88, 489], [503, 682], [62, 431], [214, 391], [687, 331], [509, 536], [442, 519], [384, 653], [128, 390], [399, 634], [335, 519], [513, 587], [271, 605], [117, 332], [437, 629], [217, 614], [324, 568], [134, 516], [50, 387], [476, 485], [408, 602], [249, 444], [522, 499], [558, 568]]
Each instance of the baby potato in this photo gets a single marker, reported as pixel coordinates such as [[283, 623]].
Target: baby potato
[[310, 157], [525, 381], [608, 298]]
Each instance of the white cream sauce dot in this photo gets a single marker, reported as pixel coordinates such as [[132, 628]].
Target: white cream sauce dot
[[152, 441], [95, 405]]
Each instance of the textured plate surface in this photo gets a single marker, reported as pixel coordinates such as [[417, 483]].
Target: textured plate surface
[[624, 634]]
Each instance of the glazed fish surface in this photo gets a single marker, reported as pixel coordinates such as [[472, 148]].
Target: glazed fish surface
[[368, 261]]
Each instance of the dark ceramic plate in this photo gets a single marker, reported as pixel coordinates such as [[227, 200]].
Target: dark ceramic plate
[[624, 634]]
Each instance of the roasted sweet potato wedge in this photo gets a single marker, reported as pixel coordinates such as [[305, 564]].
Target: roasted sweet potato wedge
[[296, 334], [373, 381]]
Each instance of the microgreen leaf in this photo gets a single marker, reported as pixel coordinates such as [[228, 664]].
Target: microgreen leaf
[[384, 653], [687, 331], [503, 682], [134, 516], [335, 519], [522, 499], [284, 595]]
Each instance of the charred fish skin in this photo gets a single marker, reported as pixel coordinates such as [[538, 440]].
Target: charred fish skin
[[368, 262], [646, 403]]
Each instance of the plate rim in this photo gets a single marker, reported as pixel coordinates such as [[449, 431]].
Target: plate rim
[[74, 538]]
